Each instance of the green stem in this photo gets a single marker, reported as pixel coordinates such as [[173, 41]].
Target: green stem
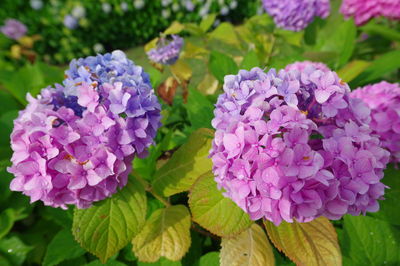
[[149, 189]]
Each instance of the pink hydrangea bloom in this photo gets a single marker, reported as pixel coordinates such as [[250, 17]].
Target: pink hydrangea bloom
[[294, 145], [384, 100], [364, 10], [78, 149]]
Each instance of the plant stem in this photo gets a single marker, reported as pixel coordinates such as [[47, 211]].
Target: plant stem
[[149, 189]]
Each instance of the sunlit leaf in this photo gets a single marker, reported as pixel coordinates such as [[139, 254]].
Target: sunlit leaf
[[250, 248], [181, 70], [352, 70], [109, 225], [207, 22], [216, 213], [250, 61], [374, 28], [175, 28], [209, 259], [312, 243], [186, 165], [165, 234], [226, 33]]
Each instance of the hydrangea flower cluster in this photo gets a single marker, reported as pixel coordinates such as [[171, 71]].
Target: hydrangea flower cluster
[[74, 144], [364, 10], [13, 29], [295, 15], [167, 51], [294, 145], [384, 100], [303, 65]]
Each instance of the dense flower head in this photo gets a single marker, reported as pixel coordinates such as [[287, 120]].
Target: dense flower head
[[295, 15], [13, 29], [384, 100], [364, 10], [294, 145], [78, 148], [167, 50], [303, 65]]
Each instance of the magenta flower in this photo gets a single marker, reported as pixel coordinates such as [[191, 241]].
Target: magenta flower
[[364, 10], [280, 159], [79, 149], [384, 100], [13, 29]]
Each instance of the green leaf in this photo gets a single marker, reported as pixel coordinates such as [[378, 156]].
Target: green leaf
[[250, 248], [188, 163], [210, 209], [14, 250], [62, 247], [383, 65], [250, 61], [108, 263], [200, 110], [207, 22], [312, 243], [225, 32], [175, 28], [109, 226], [352, 70], [209, 259], [8, 102], [165, 234], [222, 65], [389, 207], [373, 28], [160, 262], [369, 241], [6, 222]]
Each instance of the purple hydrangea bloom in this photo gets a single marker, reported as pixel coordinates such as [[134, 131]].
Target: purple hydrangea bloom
[[13, 29], [70, 22], [303, 65], [295, 15], [283, 161], [384, 100], [167, 51], [78, 149]]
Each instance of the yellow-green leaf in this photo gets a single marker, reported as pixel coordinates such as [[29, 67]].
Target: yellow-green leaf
[[181, 70], [188, 163], [208, 85], [250, 248], [207, 22], [312, 243], [175, 28], [218, 214], [166, 233], [225, 32], [109, 225], [352, 70]]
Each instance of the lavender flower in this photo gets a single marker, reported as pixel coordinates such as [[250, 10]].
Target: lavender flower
[[13, 29], [283, 150], [295, 15], [78, 149], [167, 51], [384, 100], [70, 22]]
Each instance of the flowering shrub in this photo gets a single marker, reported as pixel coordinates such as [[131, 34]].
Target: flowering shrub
[[262, 154], [71, 146]]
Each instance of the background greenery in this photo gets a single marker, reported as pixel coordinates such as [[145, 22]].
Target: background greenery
[[176, 174]]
